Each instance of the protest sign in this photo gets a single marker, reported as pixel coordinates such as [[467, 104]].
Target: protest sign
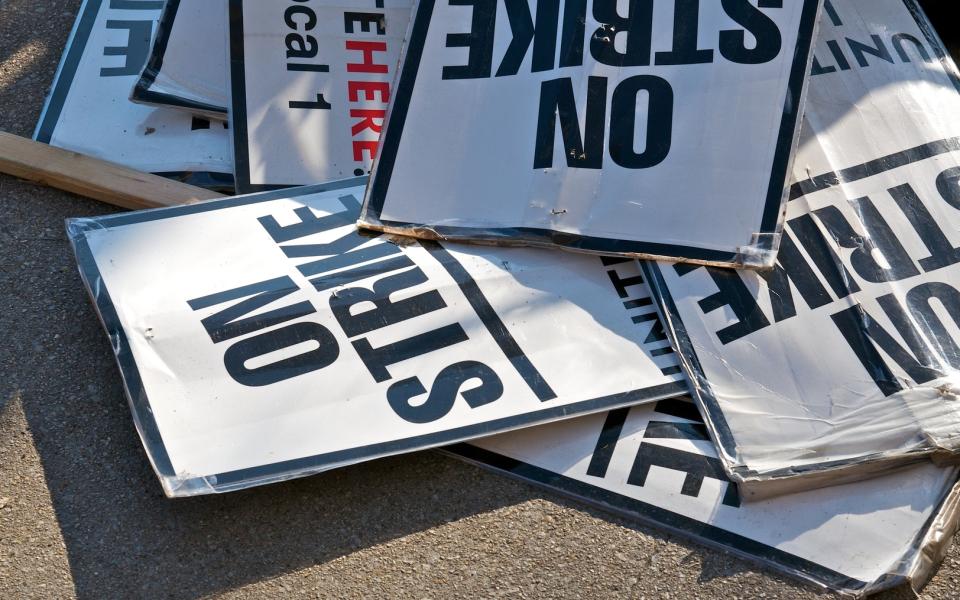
[[310, 82], [188, 67], [842, 360], [655, 464], [667, 131], [88, 109], [263, 337]]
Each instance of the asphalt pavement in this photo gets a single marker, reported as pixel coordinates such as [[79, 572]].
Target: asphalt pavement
[[82, 514]]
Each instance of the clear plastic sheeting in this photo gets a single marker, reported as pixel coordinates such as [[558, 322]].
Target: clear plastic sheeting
[[656, 464], [188, 66], [263, 337], [842, 361], [665, 134], [310, 82], [89, 111]]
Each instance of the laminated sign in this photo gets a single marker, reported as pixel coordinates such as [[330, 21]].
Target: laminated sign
[[88, 109], [656, 464], [656, 129], [310, 345], [842, 360], [310, 83], [188, 67]]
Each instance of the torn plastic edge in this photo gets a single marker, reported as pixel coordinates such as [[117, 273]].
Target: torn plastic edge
[[762, 251], [145, 91], [752, 484], [933, 546], [757, 256]]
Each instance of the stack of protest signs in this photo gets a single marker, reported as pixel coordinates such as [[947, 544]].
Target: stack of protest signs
[[695, 263]]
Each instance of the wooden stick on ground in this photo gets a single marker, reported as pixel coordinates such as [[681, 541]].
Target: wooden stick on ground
[[92, 177]]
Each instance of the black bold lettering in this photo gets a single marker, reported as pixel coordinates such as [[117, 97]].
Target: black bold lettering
[[299, 9], [900, 40], [823, 255], [478, 42], [948, 184], [378, 359], [942, 252], [556, 98], [385, 311], [686, 26], [444, 392], [838, 55], [861, 51], [324, 355], [792, 267], [607, 442], [938, 337], [300, 46], [733, 292], [623, 121], [573, 32], [232, 321], [637, 26], [134, 53], [365, 20], [878, 237], [543, 36], [768, 40], [695, 467], [859, 328]]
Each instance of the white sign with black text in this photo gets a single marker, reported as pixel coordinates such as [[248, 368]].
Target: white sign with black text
[[845, 358], [263, 337], [89, 110], [310, 83], [663, 131]]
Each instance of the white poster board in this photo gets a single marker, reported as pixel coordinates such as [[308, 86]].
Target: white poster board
[[656, 464], [668, 132], [310, 82], [188, 67], [263, 337], [89, 111], [843, 360]]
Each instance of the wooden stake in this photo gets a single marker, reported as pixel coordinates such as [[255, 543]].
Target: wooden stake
[[92, 177]]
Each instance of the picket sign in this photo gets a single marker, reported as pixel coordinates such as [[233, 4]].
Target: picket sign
[[188, 67], [668, 132], [310, 81], [89, 111], [263, 337], [842, 361], [656, 464]]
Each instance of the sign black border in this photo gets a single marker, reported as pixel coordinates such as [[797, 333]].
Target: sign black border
[[771, 216]]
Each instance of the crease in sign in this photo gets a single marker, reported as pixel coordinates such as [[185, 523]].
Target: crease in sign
[[651, 464], [202, 89], [245, 323], [858, 323]]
